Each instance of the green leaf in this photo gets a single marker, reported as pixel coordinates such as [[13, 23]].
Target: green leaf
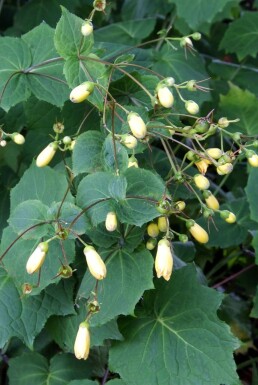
[[169, 61], [224, 234], [83, 382], [128, 275], [64, 330], [241, 37], [16, 259], [180, 321], [87, 151], [94, 191], [88, 68], [33, 368], [47, 81], [195, 13], [15, 58], [134, 9], [24, 317], [144, 190], [47, 10], [115, 156], [36, 183], [254, 312], [68, 213], [128, 32], [252, 191], [27, 214], [69, 40], [248, 113]]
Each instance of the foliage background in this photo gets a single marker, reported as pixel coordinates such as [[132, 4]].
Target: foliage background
[[227, 54]]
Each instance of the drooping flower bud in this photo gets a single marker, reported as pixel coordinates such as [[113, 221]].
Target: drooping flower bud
[[180, 205], [164, 260], [87, 28], [196, 36], [67, 140], [252, 158], [82, 342], [203, 165], [211, 200], [228, 216], [81, 92], [224, 169], [214, 153], [137, 125], [95, 264], [192, 107], [151, 243], [201, 182], [197, 231], [111, 221], [129, 141], [46, 155], [165, 97], [132, 162], [37, 258], [18, 138], [153, 230], [162, 224]]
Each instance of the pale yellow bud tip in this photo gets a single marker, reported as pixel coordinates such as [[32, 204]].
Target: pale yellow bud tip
[[201, 182], [95, 264], [82, 342], [165, 97], [137, 125], [111, 221], [46, 155], [37, 258], [199, 233], [164, 260]]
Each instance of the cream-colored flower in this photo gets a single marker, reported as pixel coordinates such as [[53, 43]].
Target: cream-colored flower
[[198, 232], [82, 342], [81, 92], [201, 182], [164, 260], [165, 97], [37, 258], [203, 165], [137, 125], [46, 155], [95, 263], [111, 221]]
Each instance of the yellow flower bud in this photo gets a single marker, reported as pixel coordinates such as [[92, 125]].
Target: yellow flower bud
[[201, 182], [82, 342], [18, 138], [164, 260], [165, 97], [253, 160], [191, 107], [81, 92], [224, 169], [132, 162], [130, 141], [212, 202], [214, 153], [198, 233], [46, 155], [202, 165], [228, 216], [180, 205], [162, 224], [87, 28], [151, 243], [137, 125], [111, 221], [153, 230], [37, 258], [95, 264]]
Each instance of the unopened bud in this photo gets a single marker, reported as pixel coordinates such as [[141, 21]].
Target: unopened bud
[[192, 107], [46, 155], [214, 153], [225, 169], [137, 125], [37, 258], [87, 28], [211, 200], [197, 231], [163, 224], [151, 243], [228, 216], [111, 221], [129, 141], [201, 182], [95, 263], [18, 138], [81, 92], [164, 260], [165, 97], [82, 342], [132, 162], [153, 230]]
